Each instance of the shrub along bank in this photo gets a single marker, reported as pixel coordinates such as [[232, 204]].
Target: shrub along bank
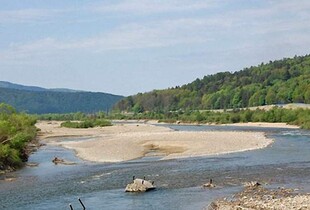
[[87, 123], [16, 131]]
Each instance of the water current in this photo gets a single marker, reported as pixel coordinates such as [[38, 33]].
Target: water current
[[286, 163]]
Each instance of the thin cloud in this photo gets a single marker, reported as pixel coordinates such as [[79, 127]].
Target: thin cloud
[[142, 7], [170, 32], [130, 36], [28, 15]]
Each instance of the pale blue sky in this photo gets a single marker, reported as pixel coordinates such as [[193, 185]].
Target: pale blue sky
[[130, 46]]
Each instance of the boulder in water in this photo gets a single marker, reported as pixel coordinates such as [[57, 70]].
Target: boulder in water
[[140, 185]]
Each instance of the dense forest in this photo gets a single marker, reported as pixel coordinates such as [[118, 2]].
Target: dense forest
[[277, 82], [36, 100], [16, 130]]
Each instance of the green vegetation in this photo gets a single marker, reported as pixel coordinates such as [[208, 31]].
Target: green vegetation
[[16, 130], [278, 82], [77, 116], [50, 101], [81, 120], [87, 123]]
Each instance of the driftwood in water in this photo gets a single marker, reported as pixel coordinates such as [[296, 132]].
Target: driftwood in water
[[57, 160], [140, 185], [82, 204]]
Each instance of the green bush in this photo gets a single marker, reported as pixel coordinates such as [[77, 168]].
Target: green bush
[[16, 130], [19, 141], [102, 122], [9, 156], [87, 123], [69, 124]]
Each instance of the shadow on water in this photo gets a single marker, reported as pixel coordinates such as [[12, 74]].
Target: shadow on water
[[101, 186]]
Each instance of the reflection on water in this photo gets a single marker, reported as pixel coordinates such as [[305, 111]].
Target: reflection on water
[[101, 186]]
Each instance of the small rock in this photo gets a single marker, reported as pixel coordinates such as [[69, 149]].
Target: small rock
[[252, 184], [30, 164], [209, 184], [9, 179]]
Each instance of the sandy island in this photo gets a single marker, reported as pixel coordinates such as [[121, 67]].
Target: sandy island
[[123, 142]]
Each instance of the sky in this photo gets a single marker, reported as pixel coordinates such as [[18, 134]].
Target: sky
[[126, 47]]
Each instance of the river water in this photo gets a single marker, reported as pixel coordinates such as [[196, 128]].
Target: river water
[[101, 186]]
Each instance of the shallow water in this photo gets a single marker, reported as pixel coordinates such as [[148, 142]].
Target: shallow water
[[101, 186]]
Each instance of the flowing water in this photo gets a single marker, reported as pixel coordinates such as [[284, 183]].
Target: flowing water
[[101, 186]]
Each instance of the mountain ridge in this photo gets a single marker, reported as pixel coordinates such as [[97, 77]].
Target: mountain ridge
[[10, 85], [37, 100]]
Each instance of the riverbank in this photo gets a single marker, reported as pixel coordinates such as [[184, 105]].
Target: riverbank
[[265, 124], [123, 142], [245, 124], [262, 198]]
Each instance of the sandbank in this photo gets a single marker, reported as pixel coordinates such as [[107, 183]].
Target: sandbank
[[122, 142], [245, 124], [265, 124]]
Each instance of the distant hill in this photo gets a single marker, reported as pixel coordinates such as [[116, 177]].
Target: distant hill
[[37, 100], [277, 82], [5, 84], [9, 85]]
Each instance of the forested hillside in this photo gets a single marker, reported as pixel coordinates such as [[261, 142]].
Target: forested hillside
[[40, 101], [278, 82]]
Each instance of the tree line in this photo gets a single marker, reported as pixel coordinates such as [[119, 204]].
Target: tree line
[[299, 117]]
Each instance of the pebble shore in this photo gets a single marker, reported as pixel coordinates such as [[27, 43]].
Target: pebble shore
[[262, 198]]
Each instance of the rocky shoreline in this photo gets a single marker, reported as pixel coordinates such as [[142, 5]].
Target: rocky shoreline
[[258, 197]]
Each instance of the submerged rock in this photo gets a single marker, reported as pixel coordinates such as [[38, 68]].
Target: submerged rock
[[252, 184], [140, 185], [32, 164], [8, 178], [57, 160]]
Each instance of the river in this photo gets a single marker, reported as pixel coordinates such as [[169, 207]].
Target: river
[[286, 163]]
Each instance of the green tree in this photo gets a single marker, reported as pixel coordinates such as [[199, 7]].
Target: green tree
[[271, 97]]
